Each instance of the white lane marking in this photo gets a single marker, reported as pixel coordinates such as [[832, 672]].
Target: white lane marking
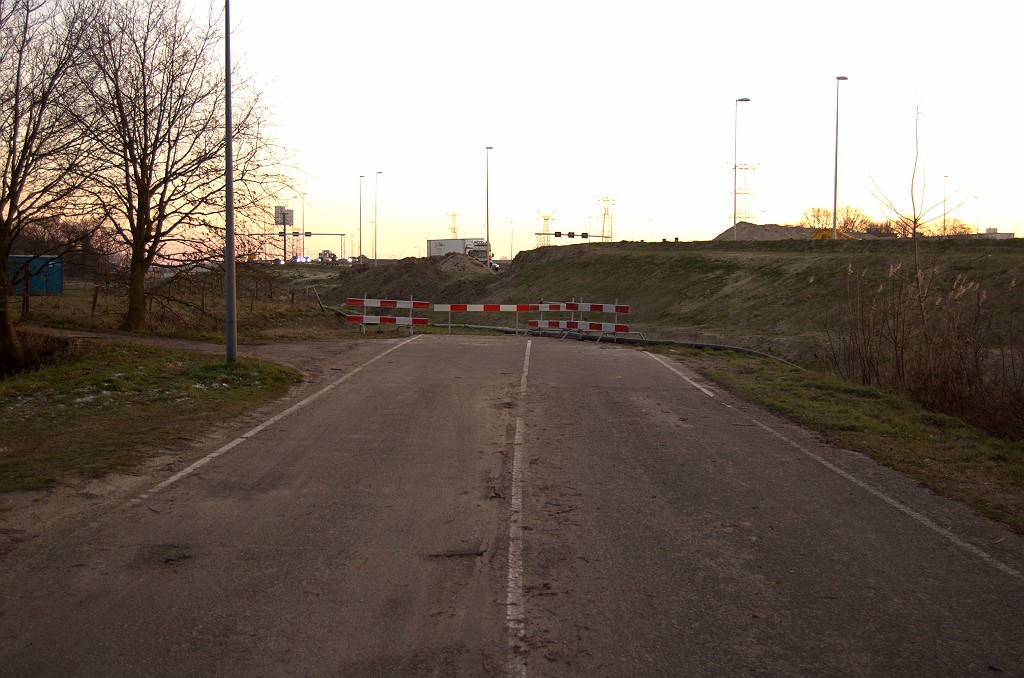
[[515, 618], [194, 466], [269, 422], [691, 382], [970, 548]]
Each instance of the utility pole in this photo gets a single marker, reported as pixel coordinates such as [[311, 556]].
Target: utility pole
[[454, 229], [230, 314], [360, 218]]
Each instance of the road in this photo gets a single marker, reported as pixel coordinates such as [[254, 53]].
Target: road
[[488, 506]]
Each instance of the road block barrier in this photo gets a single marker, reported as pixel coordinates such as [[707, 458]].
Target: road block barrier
[[573, 307], [386, 303], [385, 320], [581, 307], [407, 321], [579, 325], [486, 308], [576, 308]]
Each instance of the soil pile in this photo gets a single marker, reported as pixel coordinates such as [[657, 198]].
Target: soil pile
[[421, 279], [461, 264], [748, 231]]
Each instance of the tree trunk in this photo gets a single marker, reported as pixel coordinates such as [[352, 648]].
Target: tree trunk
[[12, 351], [135, 318]]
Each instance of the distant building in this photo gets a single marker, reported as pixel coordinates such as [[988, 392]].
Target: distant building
[[994, 234]]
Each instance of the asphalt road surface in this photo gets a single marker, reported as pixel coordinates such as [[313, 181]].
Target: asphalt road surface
[[527, 507]]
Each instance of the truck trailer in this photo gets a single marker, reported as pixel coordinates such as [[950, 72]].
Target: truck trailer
[[476, 248]]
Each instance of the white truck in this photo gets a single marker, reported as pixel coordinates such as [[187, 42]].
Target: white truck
[[477, 248]]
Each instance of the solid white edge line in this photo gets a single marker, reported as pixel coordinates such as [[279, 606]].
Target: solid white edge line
[[269, 422], [906, 510], [970, 548], [515, 616], [685, 378]]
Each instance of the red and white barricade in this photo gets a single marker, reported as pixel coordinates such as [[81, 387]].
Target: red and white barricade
[[578, 325], [385, 320], [407, 321], [387, 303], [486, 308], [582, 307]]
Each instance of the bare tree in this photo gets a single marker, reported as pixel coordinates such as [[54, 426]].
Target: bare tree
[[158, 112], [958, 227], [852, 220], [817, 217], [914, 217], [42, 157], [884, 229]]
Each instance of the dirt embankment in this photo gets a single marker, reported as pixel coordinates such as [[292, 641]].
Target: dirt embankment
[[431, 279]]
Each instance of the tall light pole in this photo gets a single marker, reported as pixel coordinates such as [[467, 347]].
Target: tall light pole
[[835, 174], [360, 218], [735, 127], [487, 191], [375, 182], [230, 317]]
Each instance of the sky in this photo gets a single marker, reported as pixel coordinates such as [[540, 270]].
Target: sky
[[634, 101]]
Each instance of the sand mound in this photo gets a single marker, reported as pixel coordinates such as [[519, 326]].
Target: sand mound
[[460, 263]]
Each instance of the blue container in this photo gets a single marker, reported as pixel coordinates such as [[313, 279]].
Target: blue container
[[46, 274]]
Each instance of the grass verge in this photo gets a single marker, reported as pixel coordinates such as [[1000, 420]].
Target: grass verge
[[951, 457], [116, 403]]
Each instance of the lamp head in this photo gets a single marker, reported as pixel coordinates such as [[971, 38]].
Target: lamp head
[[841, 77], [743, 99]]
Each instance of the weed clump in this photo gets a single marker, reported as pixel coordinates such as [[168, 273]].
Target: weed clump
[[937, 342], [41, 350]]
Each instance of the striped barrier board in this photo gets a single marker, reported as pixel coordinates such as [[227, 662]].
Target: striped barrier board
[[385, 320], [578, 325], [486, 308], [387, 303], [578, 306]]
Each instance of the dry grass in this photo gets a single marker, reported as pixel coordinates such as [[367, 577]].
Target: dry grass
[[98, 406]]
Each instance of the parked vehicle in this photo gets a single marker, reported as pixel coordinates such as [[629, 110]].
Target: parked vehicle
[[476, 248]]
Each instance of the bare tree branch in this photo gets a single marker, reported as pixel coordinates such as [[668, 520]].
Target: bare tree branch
[[42, 157]]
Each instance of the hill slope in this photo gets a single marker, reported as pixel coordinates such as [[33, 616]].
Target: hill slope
[[773, 296]]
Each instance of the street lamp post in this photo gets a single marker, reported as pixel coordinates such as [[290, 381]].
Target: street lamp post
[[360, 218], [487, 191], [735, 127], [230, 317], [835, 174], [375, 182]]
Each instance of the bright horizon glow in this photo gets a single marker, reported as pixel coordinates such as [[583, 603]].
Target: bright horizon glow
[[634, 101]]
